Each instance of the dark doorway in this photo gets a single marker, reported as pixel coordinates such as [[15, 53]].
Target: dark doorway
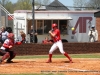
[[63, 26]]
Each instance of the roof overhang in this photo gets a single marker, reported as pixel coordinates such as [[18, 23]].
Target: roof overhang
[[52, 18], [97, 14]]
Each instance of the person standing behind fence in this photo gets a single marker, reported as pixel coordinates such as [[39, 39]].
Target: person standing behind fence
[[93, 34], [4, 34], [33, 34]]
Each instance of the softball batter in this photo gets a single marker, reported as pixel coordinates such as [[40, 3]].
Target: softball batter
[[55, 35]]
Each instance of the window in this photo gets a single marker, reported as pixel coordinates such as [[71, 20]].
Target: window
[[40, 26], [47, 26], [63, 26], [55, 21]]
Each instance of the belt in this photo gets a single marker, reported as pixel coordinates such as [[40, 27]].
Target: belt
[[57, 40]]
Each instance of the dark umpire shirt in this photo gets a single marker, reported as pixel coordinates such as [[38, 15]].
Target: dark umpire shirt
[[32, 35]]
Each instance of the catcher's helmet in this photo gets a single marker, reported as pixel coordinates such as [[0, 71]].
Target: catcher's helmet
[[54, 25], [10, 35]]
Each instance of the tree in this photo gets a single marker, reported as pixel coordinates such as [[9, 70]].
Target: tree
[[24, 4], [42, 2], [3, 2], [94, 4], [79, 3], [7, 4]]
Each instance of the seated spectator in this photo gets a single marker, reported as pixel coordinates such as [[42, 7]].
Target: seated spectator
[[46, 41], [23, 35], [4, 34]]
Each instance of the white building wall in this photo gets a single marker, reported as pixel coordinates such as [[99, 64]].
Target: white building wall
[[20, 23], [78, 37]]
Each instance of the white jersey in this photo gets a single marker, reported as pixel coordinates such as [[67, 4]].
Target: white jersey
[[8, 42], [93, 35]]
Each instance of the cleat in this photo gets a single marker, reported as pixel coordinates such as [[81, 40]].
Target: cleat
[[49, 61], [70, 61], [0, 61], [9, 61]]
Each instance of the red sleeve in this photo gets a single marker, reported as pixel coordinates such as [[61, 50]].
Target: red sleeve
[[18, 43], [56, 32], [5, 45]]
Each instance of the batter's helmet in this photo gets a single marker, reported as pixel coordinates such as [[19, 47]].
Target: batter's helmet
[[54, 25], [10, 35]]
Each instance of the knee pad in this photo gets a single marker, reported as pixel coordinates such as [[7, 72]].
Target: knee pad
[[14, 54], [7, 54]]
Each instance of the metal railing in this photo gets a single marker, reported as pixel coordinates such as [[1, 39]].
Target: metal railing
[[4, 17]]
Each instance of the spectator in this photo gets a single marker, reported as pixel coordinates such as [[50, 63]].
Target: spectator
[[46, 41], [4, 34], [1, 36], [93, 34], [23, 37], [33, 34]]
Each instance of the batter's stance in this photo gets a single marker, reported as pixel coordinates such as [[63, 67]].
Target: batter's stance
[[55, 35]]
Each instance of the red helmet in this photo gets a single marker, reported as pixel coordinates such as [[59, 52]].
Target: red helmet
[[10, 35], [54, 25]]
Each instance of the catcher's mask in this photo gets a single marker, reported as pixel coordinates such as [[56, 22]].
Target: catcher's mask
[[11, 36]]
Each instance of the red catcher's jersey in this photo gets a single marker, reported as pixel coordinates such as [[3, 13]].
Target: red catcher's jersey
[[57, 35]]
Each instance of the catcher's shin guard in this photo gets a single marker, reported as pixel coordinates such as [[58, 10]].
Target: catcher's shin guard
[[11, 57], [68, 57], [49, 60], [5, 56]]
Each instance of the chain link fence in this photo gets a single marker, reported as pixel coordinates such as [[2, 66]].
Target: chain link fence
[[6, 19]]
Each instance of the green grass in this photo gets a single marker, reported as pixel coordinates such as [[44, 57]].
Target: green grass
[[33, 74], [85, 55], [59, 56], [94, 55]]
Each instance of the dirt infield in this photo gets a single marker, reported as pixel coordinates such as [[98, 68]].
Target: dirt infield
[[59, 65]]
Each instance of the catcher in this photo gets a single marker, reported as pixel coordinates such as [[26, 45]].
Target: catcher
[[5, 50]]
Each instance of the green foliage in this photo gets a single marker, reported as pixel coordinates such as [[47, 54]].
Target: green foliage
[[21, 4], [7, 4], [24, 4], [59, 56]]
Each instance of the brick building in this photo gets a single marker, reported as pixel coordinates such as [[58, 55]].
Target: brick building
[[97, 15]]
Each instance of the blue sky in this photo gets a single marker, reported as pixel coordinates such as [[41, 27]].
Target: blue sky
[[65, 2]]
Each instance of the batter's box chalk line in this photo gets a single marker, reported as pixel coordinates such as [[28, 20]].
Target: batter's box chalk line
[[80, 70]]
